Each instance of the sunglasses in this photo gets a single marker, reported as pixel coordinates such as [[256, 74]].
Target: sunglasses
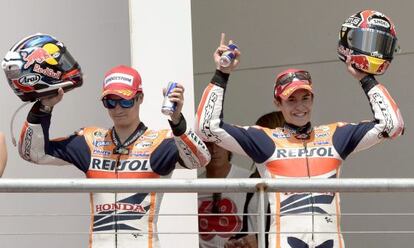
[[288, 77], [111, 103]]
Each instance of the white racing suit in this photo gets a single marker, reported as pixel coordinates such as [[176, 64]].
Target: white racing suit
[[300, 220], [118, 220]]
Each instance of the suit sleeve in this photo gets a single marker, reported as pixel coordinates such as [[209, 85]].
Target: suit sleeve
[[387, 122], [247, 141], [191, 150], [35, 145]]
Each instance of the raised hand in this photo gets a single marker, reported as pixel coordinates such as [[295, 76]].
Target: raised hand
[[53, 100], [177, 96], [357, 74], [223, 47]]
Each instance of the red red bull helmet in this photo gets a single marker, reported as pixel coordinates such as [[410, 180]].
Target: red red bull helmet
[[38, 65], [370, 39]]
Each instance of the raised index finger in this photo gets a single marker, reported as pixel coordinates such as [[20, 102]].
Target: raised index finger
[[223, 39]]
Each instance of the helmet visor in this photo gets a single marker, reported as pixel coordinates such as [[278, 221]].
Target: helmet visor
[[290, 82], [66, 61], [371, 42], [289, 77]]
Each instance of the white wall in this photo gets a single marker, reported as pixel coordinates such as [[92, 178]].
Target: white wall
[[161, 44]]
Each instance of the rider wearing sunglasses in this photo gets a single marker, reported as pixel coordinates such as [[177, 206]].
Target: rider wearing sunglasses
[[128, 150], [110, 103], [297, 149]]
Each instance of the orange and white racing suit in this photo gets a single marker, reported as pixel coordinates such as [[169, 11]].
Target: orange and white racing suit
[[119, 220], [300, 220]]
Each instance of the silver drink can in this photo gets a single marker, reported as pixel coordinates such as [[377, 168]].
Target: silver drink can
[[169, 107], [228, 56]]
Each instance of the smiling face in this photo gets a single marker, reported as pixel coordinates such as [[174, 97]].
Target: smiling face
[[297, 108], [125, 117]]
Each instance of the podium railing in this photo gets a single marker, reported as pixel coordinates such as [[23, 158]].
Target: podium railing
[[209, 185]]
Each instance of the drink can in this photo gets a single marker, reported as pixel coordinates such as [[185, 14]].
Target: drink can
[[228, 56], [169, 107]]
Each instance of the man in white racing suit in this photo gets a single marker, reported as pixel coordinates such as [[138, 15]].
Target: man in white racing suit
[[128, 150], [298, 149]]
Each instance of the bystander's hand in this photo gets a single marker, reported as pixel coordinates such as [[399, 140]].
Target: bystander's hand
[[248, 241]]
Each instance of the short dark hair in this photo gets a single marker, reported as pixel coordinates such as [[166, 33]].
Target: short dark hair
[[230, 154], [271, 120]]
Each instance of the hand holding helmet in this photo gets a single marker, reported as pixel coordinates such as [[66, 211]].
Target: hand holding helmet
[[357, 74], [369, 39], [51, 101], [38, 65]]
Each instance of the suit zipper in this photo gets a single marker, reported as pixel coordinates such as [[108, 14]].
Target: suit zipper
[[312, 202], [116, 201]]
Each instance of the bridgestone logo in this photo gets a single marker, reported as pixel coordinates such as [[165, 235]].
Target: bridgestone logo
[[118, 78]]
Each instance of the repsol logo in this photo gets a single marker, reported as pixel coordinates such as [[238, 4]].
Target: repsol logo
[[138, 208], [196, 139], [188, 155], [300, 153], [121, 165]]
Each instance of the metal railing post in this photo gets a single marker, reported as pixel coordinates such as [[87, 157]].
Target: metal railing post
[[262, 216]]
